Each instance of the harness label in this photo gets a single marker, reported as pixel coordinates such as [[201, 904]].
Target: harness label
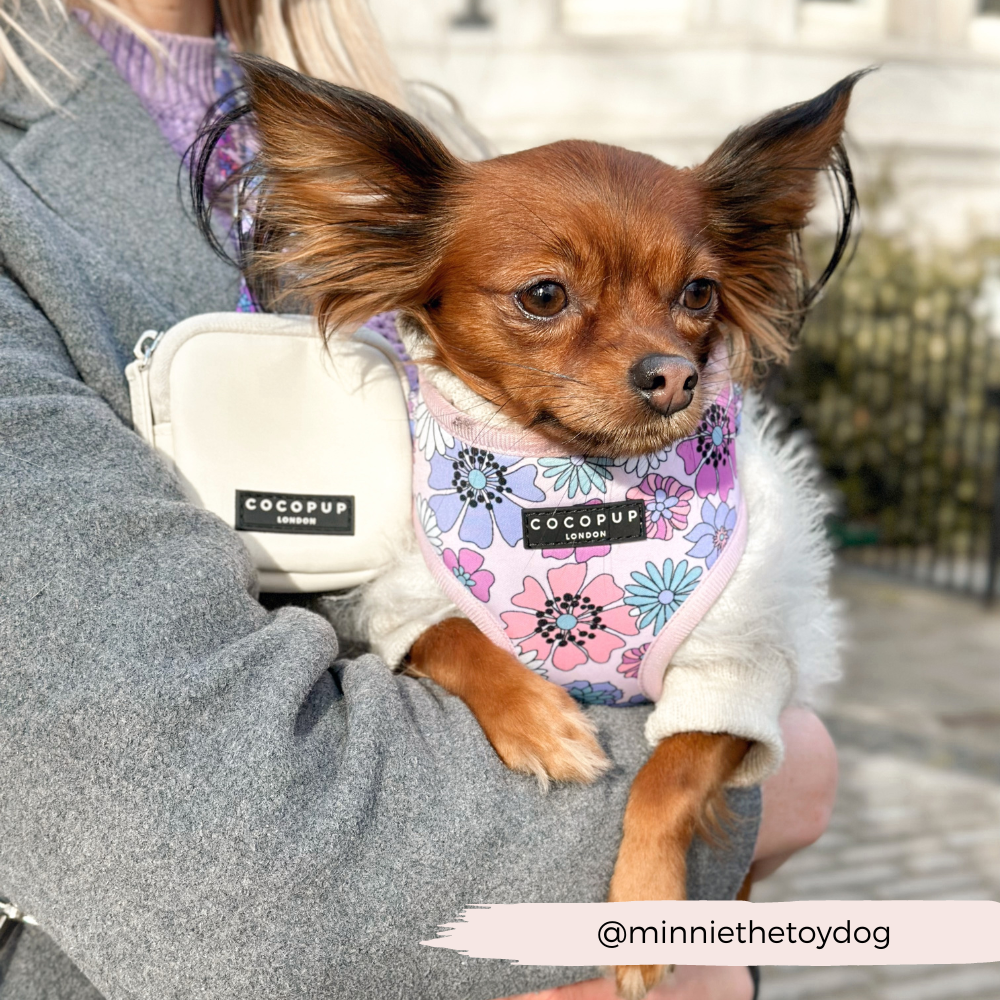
[[295, 513], [584, 524]]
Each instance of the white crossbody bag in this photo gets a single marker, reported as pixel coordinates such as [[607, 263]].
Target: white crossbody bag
[[304, 450]]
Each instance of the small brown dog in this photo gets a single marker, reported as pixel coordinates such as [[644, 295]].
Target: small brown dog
[[613, 275]]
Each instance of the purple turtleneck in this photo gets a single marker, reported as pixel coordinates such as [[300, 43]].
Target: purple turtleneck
[[176, 91]]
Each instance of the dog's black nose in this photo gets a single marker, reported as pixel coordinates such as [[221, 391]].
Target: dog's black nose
[[666, 380]]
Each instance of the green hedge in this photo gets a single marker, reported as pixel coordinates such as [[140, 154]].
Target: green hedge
[[892, 380]]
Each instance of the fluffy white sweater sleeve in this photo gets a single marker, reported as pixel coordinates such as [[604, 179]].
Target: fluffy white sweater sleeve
[[769, 640], [772, 636]]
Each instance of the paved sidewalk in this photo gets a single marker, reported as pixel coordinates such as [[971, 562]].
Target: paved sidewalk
[[917, 722]]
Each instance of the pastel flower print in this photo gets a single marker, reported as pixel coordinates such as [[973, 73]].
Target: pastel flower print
[[658, 593], [569, 622], [603, 693], [466, 567], [581, 554], [429, 524], [632, 660], [710, 452], [710, 537], [479, 490], [531, 661], [584, 552], [577, 474], [668, 504], [431, 436], [644, 464]]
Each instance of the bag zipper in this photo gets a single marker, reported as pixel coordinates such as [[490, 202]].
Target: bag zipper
[[137, 374]]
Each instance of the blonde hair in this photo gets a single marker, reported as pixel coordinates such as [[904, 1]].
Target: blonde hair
[[334, 40]]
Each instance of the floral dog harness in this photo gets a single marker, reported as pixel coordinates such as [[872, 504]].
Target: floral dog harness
[[592, 571]]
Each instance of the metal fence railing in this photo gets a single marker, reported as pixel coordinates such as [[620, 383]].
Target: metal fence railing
[[897, 379]]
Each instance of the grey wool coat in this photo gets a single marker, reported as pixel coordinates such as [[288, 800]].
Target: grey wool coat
[[197, 798]]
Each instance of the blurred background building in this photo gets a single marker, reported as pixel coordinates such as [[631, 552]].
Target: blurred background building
[[673, 77], [897, 379]]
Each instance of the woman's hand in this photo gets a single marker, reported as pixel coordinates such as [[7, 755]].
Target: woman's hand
[[797, 802]]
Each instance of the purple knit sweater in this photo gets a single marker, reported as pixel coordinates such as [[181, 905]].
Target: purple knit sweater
[[178, 92]]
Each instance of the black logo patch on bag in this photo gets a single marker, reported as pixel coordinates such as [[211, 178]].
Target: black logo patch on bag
[[584, 524], [295, 513]]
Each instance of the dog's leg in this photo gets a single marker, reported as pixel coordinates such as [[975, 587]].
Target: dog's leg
[[669, 801], [534, 725]]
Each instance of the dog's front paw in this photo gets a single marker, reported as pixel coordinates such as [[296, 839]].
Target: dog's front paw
[[534, 725], [635, 981], [539, 729]]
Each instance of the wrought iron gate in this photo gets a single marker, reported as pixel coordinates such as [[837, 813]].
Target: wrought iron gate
[[898, 381]]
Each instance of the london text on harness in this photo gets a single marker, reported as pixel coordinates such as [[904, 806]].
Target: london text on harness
[[584, 524]]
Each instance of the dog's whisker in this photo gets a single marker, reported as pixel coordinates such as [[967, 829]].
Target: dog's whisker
[[489, 422]]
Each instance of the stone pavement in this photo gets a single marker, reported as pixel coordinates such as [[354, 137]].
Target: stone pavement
[[917, 723]]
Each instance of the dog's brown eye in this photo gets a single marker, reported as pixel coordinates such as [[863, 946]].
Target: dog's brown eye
[[544, 299], [697, 294]]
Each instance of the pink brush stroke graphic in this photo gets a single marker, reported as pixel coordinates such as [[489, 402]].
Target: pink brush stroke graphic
[[916, 932]]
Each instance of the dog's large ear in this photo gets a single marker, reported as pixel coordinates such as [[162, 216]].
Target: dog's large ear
[[760, 186], [351, 203]]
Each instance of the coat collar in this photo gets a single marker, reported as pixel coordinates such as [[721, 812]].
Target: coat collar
[[74, 56], [100, 164]]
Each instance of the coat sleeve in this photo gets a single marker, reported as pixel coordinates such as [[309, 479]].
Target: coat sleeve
[[198, 799]]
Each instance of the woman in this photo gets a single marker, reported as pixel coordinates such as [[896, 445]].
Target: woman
[[197, 800]]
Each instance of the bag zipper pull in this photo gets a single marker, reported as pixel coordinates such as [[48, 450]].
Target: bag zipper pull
[[145, 346], [137, 374]]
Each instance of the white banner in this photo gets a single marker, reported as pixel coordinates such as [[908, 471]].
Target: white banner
[[698, 932]]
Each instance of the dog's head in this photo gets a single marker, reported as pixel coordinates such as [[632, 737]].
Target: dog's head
[[581, 287]]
